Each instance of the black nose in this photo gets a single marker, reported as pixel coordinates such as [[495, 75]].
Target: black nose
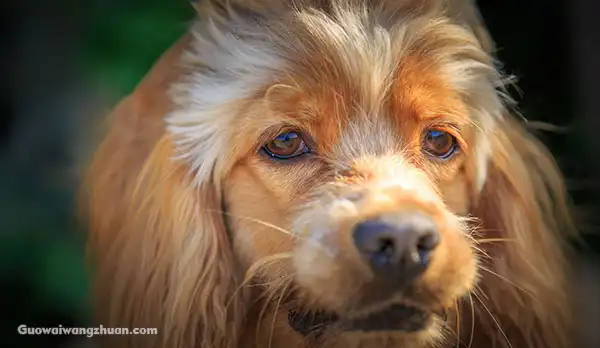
[[404, 248]]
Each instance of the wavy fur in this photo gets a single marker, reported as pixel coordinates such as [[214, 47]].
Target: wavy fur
[[167, 254]]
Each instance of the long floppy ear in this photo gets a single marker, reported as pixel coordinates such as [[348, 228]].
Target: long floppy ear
[[170, 266], [158, 243], [524, 209]]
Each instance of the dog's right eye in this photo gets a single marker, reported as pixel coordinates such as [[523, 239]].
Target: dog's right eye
[[440, 144], [286, 145]]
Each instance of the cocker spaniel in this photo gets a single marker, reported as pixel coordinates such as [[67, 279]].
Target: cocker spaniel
[[328, 173]]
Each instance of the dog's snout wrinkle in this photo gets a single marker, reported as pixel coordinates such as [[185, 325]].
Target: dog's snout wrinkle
[[401, 250]]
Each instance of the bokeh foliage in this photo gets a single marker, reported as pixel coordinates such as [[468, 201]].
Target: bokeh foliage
[[42, 259], [123, 39]]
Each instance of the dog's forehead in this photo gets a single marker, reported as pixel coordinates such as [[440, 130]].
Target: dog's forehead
[[365, 89], [358, 60], [378, 71]]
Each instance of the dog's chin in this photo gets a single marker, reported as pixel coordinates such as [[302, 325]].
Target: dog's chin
[[394, 319]]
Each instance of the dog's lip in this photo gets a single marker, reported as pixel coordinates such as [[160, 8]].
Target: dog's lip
[[310, 322], [397, 317]]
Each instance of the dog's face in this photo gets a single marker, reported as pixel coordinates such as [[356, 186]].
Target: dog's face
[[360, 195], [363, 209], [349, 175], [330, 174]]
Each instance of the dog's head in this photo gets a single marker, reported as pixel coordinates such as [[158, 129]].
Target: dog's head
[[339, 171]]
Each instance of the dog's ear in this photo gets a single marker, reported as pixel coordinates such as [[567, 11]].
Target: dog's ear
[[170, 266], [526, 227], [157, 239]]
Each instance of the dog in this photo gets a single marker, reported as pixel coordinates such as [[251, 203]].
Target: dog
[[328, 173]]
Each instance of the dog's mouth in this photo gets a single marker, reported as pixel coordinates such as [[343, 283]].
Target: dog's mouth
[[397, 317]]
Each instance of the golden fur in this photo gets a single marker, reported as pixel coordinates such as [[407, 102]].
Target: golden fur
[[195, 232]]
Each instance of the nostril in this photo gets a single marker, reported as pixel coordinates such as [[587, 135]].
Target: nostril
[[386, 246], [385, 253], [426, 244], [428, 241], [378, 242]]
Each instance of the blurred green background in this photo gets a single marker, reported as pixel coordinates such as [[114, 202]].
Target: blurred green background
[[110, 46], [66, 57]]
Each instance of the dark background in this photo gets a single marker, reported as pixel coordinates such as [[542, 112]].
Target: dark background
[[59, 59]]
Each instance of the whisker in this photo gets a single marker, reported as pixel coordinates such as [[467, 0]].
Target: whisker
[[274, 285], [253, 270], [494, 240], [472, 334], [457, 304], [475, 247], [481, 251], [497, 230], [261, 313], [506, 280], [271, 293], [448, 332], [494, 319], [264, 223], [283, 290], [481, 292], [265, 261]]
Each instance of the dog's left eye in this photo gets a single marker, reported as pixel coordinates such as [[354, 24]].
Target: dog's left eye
[[440, 144], [286, 145]]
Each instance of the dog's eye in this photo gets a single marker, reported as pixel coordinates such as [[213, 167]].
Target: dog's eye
[[439, 144], [286, 145]]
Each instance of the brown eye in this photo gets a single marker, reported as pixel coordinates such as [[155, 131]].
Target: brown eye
[[439, 144], [286, 145]]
